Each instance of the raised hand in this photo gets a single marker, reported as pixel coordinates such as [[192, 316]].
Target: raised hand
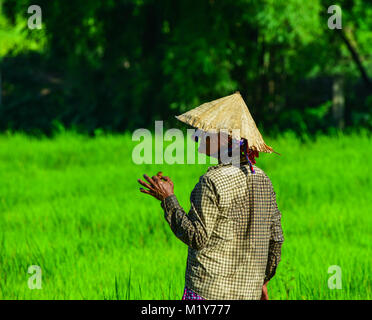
[[158, 186]]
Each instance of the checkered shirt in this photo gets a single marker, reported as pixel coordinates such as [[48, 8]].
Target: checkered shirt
[[233, 232]]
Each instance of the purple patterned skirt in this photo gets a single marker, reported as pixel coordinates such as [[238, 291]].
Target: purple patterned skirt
[[188, 294]]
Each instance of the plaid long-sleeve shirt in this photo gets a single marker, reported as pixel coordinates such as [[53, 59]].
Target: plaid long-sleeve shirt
[[233, 232]]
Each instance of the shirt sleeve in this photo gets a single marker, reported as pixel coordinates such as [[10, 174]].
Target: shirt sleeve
[[194, 228], [276, 239]]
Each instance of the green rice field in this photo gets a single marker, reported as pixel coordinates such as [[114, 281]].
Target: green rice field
[[71, 205]]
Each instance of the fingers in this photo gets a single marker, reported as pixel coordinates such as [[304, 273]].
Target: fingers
[[150, 180], [147, 192], [154, 180], [145, 184], [158, 186]]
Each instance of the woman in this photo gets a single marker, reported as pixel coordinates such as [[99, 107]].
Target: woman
[[233, 229]]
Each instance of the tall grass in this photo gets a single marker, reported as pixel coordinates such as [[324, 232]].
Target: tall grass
[[71, 205]]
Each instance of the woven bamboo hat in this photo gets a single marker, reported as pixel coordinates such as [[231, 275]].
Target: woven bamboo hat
[[227, 113]]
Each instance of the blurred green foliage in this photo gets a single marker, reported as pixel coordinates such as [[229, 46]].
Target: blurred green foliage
[[120, 65]]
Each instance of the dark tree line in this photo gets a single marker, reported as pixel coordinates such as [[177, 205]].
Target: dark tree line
[[120, 65]]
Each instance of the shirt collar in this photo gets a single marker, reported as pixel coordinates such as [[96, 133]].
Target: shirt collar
[[243, 161]]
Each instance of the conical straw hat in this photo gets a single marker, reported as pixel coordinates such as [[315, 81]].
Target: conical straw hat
[[227, 113]]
